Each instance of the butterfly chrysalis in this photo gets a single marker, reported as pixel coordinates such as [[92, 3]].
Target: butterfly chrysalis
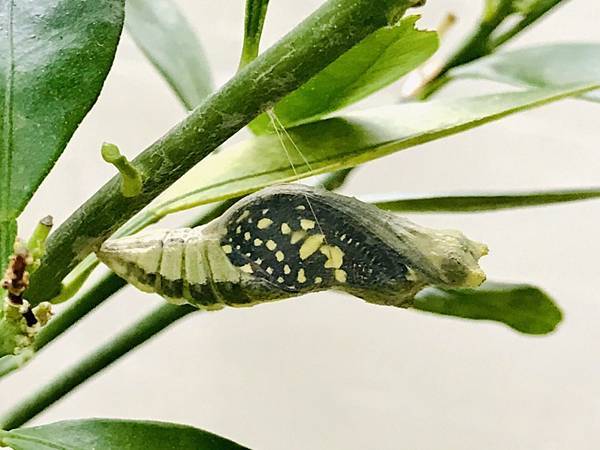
[[289, 240]]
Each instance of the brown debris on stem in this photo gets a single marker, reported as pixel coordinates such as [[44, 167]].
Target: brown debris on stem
[[16, 277], [16, 281]]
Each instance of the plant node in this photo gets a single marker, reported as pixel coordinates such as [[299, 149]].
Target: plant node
[[19, 323], [131, 178]]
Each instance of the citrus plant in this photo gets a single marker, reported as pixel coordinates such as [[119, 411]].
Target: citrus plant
[[293, 99]]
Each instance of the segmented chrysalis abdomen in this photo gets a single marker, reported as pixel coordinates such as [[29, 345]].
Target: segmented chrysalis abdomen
[[290, 240]]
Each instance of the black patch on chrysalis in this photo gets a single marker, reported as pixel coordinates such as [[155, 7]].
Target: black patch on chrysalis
[[368, 261]]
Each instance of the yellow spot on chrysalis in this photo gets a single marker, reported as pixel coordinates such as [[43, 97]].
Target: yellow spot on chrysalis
[[247, 268], [243, 216], [285, 228], [311, 245], [227, 248], [247, 236], [340, 275], [279, 255], [271, 245], [280, 279], [270, 270], [287, 270], [306, 224], [411, 275], [264, 223], [301, 276], [335, 256], [297, 236], [258, 242], [318, 280]]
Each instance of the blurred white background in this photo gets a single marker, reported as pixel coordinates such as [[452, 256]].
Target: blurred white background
[[328, 371]]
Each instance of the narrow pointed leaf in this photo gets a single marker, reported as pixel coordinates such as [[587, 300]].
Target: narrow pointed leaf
[[478, 201], [522, 307], [55, 57], [256, 10], [164, 35], [114, 434], [541, 66], [336, 143], [380, 59]]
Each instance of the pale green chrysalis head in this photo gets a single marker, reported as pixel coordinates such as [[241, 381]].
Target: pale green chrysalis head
[[443, 257]]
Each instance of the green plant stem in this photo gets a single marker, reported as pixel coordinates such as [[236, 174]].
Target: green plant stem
[[333, 29], [65, 382], [482, 42], [543, 8], [478, 43], [83, 305], [475, 46]]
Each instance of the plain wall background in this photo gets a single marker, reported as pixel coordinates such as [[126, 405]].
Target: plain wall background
[[328, 371]]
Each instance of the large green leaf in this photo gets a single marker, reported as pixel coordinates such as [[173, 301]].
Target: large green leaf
[[114, 434], [8, 232], [541, 66], [523, 307], [477, 201], [55, 57], [166, 38], [380, 59], [331, 144]]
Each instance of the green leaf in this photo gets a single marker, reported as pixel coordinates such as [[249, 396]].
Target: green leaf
[[380, 59], [114, 434], [478, 201], [523, 307], [550, 65], [336, 143], [166, 38], [256, 10], [55, 57], [8, 232]]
